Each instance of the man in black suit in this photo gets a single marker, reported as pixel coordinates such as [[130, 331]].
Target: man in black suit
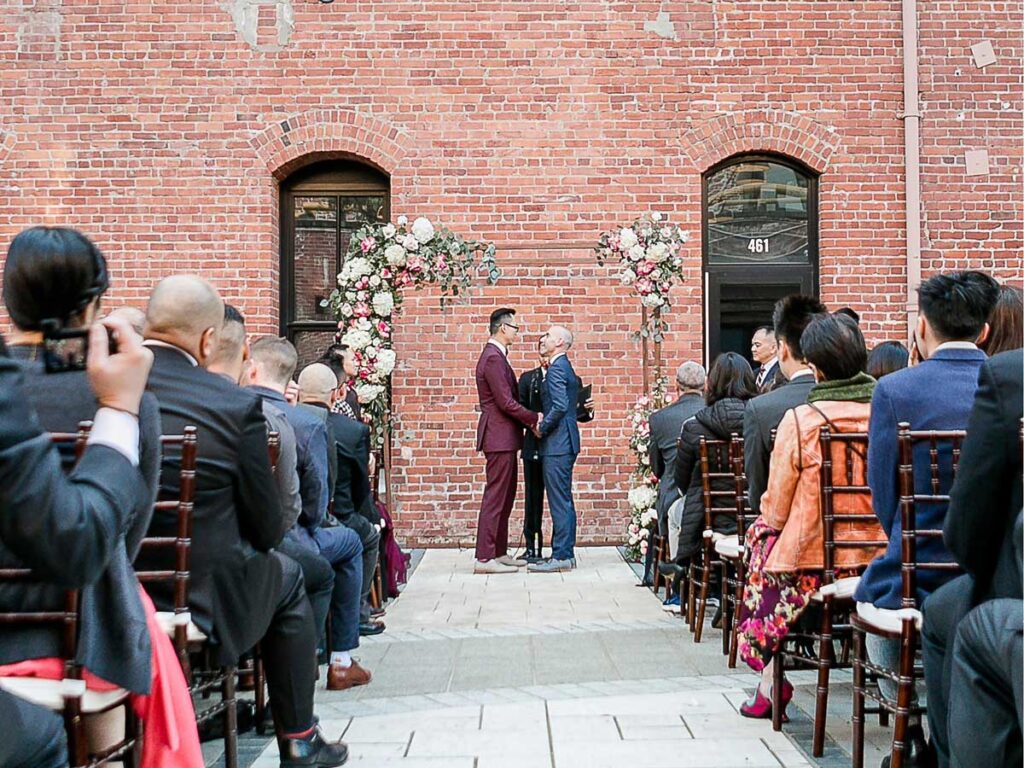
[[985, 502], [666, 424], [764, 350], [530, 388], [60, 525], [764, 412], [241, 592], [229, 359]]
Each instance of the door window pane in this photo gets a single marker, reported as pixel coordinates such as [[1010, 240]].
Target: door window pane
[[316, 255], [311, 345], [757, 212]]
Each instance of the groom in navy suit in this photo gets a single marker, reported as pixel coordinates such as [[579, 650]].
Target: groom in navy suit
[[559, 447]]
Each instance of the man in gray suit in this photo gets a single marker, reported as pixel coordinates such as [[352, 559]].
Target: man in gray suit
[[666, 425], [764, 412]]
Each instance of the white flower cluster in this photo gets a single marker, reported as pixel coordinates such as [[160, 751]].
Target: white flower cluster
[[354, 269], [642, 497], [357, 339], [383, 303]]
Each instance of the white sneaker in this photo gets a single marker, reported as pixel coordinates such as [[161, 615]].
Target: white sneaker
[[509, 560], [493, 566]]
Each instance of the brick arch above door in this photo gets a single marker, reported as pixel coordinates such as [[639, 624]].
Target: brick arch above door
[[711, 141]]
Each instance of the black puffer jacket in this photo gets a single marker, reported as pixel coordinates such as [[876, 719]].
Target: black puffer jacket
[[715, 422]]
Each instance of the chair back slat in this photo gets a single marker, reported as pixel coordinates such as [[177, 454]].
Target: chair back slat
[[910, 498], [718, 462], [181, 542], [840, 478]]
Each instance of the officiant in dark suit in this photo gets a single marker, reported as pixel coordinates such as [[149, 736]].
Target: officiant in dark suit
[[500, 436], [764, 350], [531, 395]]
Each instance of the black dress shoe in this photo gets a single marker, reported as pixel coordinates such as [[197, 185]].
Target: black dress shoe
[[919, 752], [313, 751], [367, 628], [716, 620]]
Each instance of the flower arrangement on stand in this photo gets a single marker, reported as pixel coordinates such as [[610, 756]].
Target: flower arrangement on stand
[[643, 485], [383, 260], [650, 261]]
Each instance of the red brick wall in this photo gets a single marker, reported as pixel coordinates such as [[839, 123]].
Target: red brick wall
[[163, 133]]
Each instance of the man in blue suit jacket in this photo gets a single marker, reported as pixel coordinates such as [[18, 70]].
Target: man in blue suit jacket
[[559, 447], [937, 394]]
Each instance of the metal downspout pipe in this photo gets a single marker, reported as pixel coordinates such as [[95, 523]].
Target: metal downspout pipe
[[912, 159]]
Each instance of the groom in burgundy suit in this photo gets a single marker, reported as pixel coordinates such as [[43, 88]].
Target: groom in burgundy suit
[[500, 436]]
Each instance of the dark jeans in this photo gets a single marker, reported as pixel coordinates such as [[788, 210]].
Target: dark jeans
[[558, 485], [33, 736], [986, 713], [370, 537], [316, 573], [289, 652], [533, 480], [344, 551], [943, 610]]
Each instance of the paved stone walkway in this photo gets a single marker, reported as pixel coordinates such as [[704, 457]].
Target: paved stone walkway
[[573, 670]]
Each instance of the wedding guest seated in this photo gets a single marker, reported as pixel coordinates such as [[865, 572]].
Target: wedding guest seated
[[785, 541], [936, 394], [341, 359], [763, 414], [135, 317], [887, 357], [57, 275], [982, 531], [353, 502], [77, 512], [666, 425], [1005, 324], [229, 359], [240, 591], [730, 384]]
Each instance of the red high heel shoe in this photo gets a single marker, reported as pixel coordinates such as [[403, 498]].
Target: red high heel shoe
[[760, 707]]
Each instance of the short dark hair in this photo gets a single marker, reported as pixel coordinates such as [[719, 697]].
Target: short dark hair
[[765, 328], [52, 273], [277, 356], [791, 316], [835, 346], [957, 304], [730, 376], [887, 357], [499, 317], [1006, 330], [850, 312], [232, 315], [333, 358]]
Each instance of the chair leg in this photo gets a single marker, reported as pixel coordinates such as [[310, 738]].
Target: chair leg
[[691, 601], [705, 585], [857, 752], [655, 563], [904, 692], [378, 582], [778, 664], [259, 678], [821, 694], [726, 608], [230, 719], [736, 612]]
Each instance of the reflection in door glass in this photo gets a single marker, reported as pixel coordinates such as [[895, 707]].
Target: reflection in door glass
[[757, 211], [316, 254]]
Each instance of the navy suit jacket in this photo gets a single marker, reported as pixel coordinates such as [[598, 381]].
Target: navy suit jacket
[[559, 432], [937, 394]]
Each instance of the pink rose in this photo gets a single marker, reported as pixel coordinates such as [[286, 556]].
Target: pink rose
[[441, 264], [645, 268], [362, 309], [385, 273], [367, 244], [644, 286], [384, 329], [414, 262]]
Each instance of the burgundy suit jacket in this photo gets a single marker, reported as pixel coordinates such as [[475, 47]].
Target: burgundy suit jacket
[[502, 417]]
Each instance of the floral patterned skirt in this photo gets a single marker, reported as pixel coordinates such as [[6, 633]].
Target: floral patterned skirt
[[772, 602]]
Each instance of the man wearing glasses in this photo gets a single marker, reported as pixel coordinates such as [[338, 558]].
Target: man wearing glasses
[[500, 436]]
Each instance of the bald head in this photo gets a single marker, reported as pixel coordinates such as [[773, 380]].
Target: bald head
[[186, 311], [560, 331], [316, 383], [135, 317]]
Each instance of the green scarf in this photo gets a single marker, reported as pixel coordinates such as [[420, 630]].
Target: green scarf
[[857, 390]]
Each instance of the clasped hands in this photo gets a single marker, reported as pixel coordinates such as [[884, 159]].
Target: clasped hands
[[536, 427]]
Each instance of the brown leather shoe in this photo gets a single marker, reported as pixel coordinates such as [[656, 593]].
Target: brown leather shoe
[[341, 678]]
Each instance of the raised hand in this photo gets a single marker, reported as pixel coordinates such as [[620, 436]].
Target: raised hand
[[118, 379]]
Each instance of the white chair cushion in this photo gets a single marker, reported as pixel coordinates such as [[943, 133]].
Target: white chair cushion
[[840, 589], [50, 693], [729, 547], [168, 619], [887, 619]]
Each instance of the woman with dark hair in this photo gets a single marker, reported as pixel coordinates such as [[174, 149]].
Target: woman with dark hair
[[730, 384], [55, 278], [1006, 323], [887, 357], [784, 544]]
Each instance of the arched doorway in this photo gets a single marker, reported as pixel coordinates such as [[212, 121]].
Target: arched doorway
[[322, 205], [760, 243]]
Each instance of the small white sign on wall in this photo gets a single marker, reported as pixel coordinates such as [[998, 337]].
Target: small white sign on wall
[[976, 161], [983, 54]]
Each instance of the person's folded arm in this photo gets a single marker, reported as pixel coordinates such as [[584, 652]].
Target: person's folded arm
[[558, 387]]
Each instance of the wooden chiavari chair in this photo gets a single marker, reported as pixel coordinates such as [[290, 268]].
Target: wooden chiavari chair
[[733, 555]]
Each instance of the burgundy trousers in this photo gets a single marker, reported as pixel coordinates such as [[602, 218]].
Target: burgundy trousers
[[496, 507]]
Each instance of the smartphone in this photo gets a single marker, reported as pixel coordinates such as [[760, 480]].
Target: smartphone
[[67, 349]]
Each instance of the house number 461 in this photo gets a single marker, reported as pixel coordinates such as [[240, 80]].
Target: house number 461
[[758, 245]]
